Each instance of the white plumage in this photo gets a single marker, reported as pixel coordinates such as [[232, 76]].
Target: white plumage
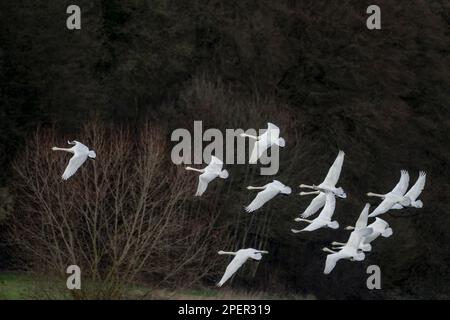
[[324, 218], [263, 142], [328, 184], [396, 196], [270, 190], [240, 257], [80, 154], [209, 173], [349, 251]]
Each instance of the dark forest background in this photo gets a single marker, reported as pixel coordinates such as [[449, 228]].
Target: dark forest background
[[312, 67]]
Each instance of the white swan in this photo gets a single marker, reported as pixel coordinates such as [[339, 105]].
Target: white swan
[[396, 196], [270, 190], [379, 228], [349, 251], [328, 184], [324, 218], [240, 257], [414, 193], [80, 155], [209, 173], [265, 141]]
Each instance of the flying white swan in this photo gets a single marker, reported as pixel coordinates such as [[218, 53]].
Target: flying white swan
[[80, 155], [328, 184], [240, 257], [270, 137], [414, 193], [349, 251], [324, 217], [270, 190], [209, 173], [396, 196], [379, 228]]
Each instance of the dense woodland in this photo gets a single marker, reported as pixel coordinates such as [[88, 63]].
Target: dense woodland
[[139, 69]]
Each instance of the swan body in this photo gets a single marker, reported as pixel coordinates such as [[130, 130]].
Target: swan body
[[209, 173], [414, 193], [80, 154], [379, 227], [349, 251], [269, 138], [324, 218], [270, 190], [240, 257], [328, 184], [393, 198]]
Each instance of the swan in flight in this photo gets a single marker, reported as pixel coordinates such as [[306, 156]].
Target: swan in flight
[[349, 251], [324, 217], [270, 137], [270, 190], [328, 184], [379, 228], [80, 155], [209, 173], [240, 257], [396, 196], [414, 193]]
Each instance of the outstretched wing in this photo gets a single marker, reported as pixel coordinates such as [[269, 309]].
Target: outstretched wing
[[258, 149], [202, 185], [261, 198], [417, 188], [328, 209], [335, 170], [362, 220], [314, 225], [74, 163], [215, 165], [231, 269], [331, 261], [383, 207], [356, 236], [402, 185], [316, 203]]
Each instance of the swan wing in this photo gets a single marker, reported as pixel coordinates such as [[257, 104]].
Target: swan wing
[[316, 203], [335, 170], [203, 181], [261, 198], [328, 209], [231, 269], [402, 185], [331, 261], [215, 165], [417, 188], [74, 163], [356, 236], [258, 149], [383, 207], [363, 217]]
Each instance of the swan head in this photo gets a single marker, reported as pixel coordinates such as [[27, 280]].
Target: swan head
[[281, 142], [92, 154], [333, 225]]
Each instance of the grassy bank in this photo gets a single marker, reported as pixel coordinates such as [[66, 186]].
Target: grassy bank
[[22, 286]]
